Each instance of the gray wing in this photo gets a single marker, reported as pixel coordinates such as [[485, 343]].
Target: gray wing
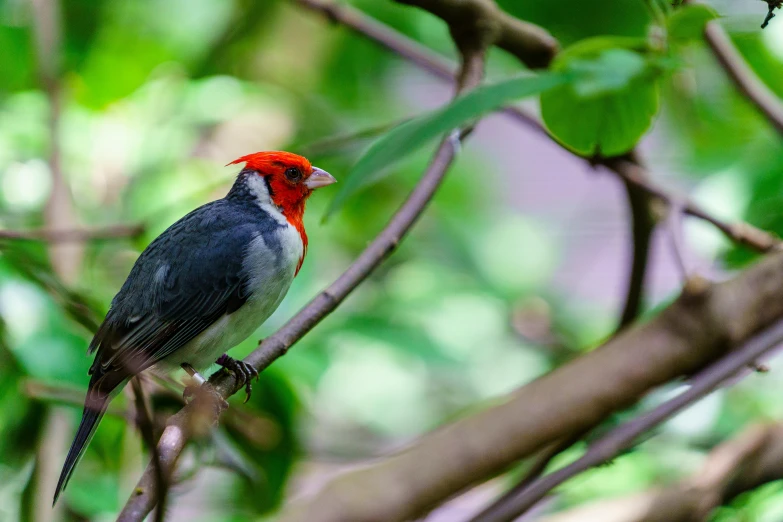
[[182, 283]]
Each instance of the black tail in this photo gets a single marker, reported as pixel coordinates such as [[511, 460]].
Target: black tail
[[90, 418]]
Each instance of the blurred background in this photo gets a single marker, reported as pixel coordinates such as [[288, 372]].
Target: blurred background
[[125, 116]]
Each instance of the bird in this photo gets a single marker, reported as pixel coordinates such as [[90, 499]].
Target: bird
[[203, 286]]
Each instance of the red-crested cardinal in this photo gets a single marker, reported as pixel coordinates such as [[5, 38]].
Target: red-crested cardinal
[[204, 285]]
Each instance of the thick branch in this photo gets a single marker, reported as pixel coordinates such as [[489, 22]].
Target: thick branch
[[686, 336]]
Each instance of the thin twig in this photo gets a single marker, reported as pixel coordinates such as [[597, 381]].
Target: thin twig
[[147, 429], [74, 235], [174, 437], [622, 437], [405, 47]]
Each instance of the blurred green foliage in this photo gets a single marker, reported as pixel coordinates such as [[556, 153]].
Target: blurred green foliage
[[158, 94]]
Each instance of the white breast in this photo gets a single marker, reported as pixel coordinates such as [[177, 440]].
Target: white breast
[[271, 273]]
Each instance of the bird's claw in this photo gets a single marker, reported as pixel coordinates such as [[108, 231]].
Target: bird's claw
[[243, 371]]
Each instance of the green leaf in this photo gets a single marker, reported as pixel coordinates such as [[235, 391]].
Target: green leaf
[[687, 23], [411, 136], [611, 101]]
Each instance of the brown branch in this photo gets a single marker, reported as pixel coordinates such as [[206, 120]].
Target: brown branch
[[147, 430], [745, 463], [695, 330], [74, 235], [642, 228], [224, 384], [622, 437]]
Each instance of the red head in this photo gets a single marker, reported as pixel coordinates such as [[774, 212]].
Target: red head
[[290, 179]]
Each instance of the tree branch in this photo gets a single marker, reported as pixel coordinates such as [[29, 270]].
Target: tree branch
[[147, 430], [747, 462], [689, 334], [74, 235], [224, 384], [623, 436], [642, 227]]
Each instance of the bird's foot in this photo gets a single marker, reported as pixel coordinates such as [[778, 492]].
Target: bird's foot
[[243, 371]]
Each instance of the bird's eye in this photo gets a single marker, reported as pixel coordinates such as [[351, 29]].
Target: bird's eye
[[293, 174]]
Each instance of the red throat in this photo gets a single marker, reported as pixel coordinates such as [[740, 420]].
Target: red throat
[[291, 201], [289, 197], [295, 216]]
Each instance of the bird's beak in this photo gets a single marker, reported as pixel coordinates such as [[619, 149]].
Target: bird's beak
[[319, 178]]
